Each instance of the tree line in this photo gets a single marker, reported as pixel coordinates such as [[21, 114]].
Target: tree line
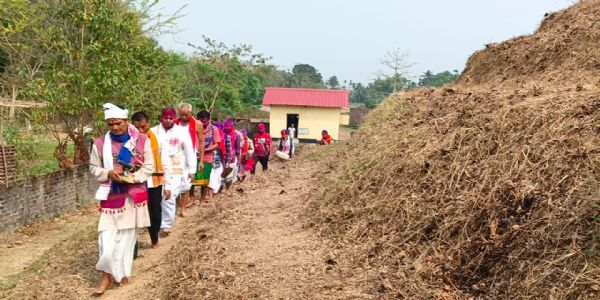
[[74, 55], [381, 87]]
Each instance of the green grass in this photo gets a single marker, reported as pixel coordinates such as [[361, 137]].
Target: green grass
[[42, 159]]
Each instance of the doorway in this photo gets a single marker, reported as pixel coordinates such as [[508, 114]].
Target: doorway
[[293, 119]]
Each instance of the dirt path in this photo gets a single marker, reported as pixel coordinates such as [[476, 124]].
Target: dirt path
[[24, 247], [255, 245]]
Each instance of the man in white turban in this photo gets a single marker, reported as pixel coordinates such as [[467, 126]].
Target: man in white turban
[[121, 161]]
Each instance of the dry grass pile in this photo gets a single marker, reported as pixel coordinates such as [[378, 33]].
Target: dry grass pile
[[475, 191], [563, 50]]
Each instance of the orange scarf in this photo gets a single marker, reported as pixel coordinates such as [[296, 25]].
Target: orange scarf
[[157, 180]]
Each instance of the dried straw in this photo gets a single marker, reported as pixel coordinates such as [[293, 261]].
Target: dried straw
[[484, 189]]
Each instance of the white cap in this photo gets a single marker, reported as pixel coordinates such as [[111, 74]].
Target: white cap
[[112, 111]]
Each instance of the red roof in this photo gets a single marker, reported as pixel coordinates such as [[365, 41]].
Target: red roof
[[306, 97]]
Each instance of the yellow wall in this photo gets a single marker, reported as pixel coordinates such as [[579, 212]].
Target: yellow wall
[[315, 119], [345, 120]]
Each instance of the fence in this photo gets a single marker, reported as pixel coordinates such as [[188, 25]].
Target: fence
[[8, 165], [357, 115]]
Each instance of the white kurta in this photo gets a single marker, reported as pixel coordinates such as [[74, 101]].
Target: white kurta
[[118, 233], [179, 159]]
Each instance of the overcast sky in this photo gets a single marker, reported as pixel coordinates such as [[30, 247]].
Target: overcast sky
[[348, 38]]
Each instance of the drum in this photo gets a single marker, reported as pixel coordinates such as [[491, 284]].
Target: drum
[[281, 155]]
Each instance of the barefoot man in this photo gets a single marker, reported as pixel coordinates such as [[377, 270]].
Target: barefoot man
[[208, 177], [191, 125], [179, 163], [155, 184], [121, 160]]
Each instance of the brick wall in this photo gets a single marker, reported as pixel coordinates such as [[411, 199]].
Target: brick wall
[[45, 195]]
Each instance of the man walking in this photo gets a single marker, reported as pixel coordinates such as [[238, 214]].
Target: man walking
[[292, 131], [194, 128], [121, 161], [262, 148], [179, 163], [155, 183], [209, 176]]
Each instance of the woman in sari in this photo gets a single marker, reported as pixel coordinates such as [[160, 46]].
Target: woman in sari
[[247, 163], [326, 138], [286, 144]]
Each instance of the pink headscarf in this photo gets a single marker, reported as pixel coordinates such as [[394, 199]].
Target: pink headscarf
[[262, 128], [168, 112]]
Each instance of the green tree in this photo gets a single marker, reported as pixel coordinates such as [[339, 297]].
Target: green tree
[[382, 87], [439, 79], [333, 83], [271, 76], [358, 93], [306, 76], [76, 55], [222, 78]]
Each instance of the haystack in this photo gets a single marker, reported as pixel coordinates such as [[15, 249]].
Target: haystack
[[488, 188]]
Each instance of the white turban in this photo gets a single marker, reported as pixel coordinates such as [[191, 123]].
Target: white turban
[[112, 111]]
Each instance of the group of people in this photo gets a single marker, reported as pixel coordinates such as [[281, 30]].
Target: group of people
[[143, 170]]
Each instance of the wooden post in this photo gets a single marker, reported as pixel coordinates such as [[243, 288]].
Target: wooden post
[[5, 167], [11, 112]]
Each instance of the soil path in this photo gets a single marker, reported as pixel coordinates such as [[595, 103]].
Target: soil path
[[254, 244]]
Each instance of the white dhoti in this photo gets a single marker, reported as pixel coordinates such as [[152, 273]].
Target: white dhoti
[[236, 172], [117, 237], [116, 252], [169, 206], [215, 179], [186, 184]]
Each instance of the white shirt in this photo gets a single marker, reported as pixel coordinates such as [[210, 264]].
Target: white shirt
[[176, 152], [291, 132]]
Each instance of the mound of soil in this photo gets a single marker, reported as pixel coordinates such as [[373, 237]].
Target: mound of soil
[[563, 50], [488, 188]]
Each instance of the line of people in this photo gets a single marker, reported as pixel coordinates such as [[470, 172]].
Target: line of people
[[143, 170]]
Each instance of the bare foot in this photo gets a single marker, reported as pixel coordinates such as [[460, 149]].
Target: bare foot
[[182, 214], [104, 284], [154, 246], [165, 232]]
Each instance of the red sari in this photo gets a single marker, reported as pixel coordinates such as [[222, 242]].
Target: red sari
[[247, 161]]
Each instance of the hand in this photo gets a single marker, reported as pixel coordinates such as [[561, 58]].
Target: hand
[[191, 176], [113, 176], [167, 194], [201, 166]]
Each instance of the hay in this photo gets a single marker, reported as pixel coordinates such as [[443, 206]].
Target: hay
[[480, 191], [563, 50]]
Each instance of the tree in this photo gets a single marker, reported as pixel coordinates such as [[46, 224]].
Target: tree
[[77, 55], [306, 76], [333, 83], [396, 60], [222, 78], [439, 79], [271, 76], [358, 93], [382, 87]]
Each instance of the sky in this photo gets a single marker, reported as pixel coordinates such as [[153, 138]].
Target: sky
[[349, 38]]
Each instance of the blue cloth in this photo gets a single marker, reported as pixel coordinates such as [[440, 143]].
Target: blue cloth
[[124, 156]]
